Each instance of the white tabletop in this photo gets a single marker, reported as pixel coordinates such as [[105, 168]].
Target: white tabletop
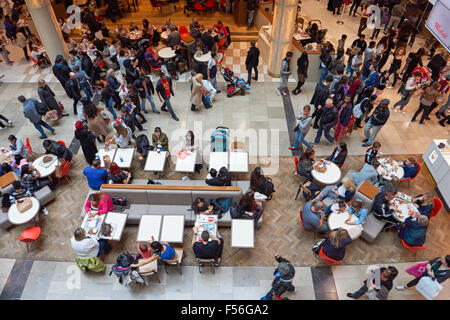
[[16, 217], [155, 161], [404, 209], [166, 53], [117, 221], [109, 153], [126, 154], [45, 172], [331, 176], [205, 222], [100, 218], [238, 162], [172, 229], [187, 164], [165, 34], [388, 170], [337, 220], [242, 233], [218, 160], [203, 58], [150, 225]]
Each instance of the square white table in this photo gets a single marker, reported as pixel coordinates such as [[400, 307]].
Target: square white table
[[99, 224], [127, 155], [150, 225], [172, 229], [218, 160], [117, 221], [238, 162], [242, 233], [109, 153], [155, 161], [187, 164]]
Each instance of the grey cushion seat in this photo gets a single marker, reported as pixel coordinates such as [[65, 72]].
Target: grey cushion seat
[[368, 203], [44, 195], [371, 228], [4, 221]]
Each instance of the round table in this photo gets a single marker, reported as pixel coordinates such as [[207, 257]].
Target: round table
[[388, 171], [45, 171], [331, 176], [404, 210], [16, 217], [5, 156], [134, 35], [203, 58], [167, 53], [337, 220], [165, 34]]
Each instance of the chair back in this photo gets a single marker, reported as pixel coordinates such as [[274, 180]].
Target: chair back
[[296, 164], [28, 144], [198, 7], [61, 142], [183, 31], [413, 248], [238, 145], [301, 220], [300, 21], [437, 206], [177, 257], [327, 259], [364, 156], [205, 260], [65, 169], [210, 4], [30, 234]]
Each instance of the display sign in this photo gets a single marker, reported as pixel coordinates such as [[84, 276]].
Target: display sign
[[433, 156], [439, 23]]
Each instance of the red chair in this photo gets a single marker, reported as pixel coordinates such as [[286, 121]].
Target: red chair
[[327, 259], [198, 7], [30, 234], [183, 31], [413, 248], [419, 167], [28, 145], [296, 165], [61, 142], [64, 171], [210, 5], [437, 206]]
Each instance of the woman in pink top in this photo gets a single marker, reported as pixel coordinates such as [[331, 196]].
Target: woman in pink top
[[99, 202]]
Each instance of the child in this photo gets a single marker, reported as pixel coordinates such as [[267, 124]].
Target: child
[[381, 85], [410, 168], [144, 249], [371, 153]]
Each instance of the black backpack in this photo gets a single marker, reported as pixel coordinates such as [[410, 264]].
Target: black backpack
[[123, 263], [143, 145], [267, 187], [40, 107]]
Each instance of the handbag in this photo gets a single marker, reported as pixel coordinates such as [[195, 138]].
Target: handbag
[[417, 270], [24, 204], [51, 115], [349, 52], [317, 246], [429, 288], [61, 106], [105, 229]]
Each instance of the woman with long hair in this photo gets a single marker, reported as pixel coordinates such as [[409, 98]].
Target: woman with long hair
[[302, 72], [87, 141], [96, 122], [98, 203], [192, 144], [334, 245], [339, 154], [345, 119], [395, 67], [305, 164], [344, 190], [414, 59], [117, 175], [248, 208], [122, 135], [424, 203]]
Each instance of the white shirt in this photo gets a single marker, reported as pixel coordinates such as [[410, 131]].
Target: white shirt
[[112, 50], [335, 207], [341, 190], [86, 248]]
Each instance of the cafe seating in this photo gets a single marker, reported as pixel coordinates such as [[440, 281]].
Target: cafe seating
[[64, 171], [327, 259], [146, 271], [198, 7], [437, 206], [44, 195], [210, 5], [28, 145], [413, 248], [202, 262], [371, 228], [175, 261], [30, 235], [419, 167]]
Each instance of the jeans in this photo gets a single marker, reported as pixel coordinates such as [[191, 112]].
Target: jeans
[[87, 89], [166, 104], [249, 71], [251, 15], [326, 132], [327, 192], [324, 72], [110, 108], [213, 82], [351, 73], [355, 6], [284, 83], [301, 139], [426, 110], [375, 130], [307, 176], [393, 22], [402, 102], [152, 103], [75, 104], [103, 245], [40, 124], [269, 294], [360, 292]]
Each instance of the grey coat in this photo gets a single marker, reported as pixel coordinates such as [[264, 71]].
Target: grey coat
[[30, 112]]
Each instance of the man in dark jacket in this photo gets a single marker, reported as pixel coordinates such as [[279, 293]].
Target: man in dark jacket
[[145, 87], [381, 208], [284, 275], [87, 65], [251, 62], [61, 71], [57, 149], [132, 72], [321, 94], [208, 40], [252, 5], [327, 121], [378, 118], [223, 179], [73, 91], [164, 90]]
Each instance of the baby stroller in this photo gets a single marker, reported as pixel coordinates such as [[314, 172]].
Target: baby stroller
[[220, 139], [234, 84]]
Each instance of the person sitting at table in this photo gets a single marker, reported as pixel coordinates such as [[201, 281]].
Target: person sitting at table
[[220, 27], [313, 217], [223, 178], [313, 33], [194, 28], [161, 250], [208, 40], [57, 149], [335, 243], [95, 175], [367, 173], [259, 183], [151, 58], [98, 203], [144, 249], [202, 206], [31, 179], [305, 164], [160, 140], [381, 207], [192, 144], [17, 192], [248, 208], [117, 175], [339, 154], [344, 190], [424, 203], [338, 207], [122, 135], [205, 249], [414, 230], [17, 147], [86, 246], [174, 38], [357, 209], [410, 168], [153, 36], [168, 25], [372, 152]]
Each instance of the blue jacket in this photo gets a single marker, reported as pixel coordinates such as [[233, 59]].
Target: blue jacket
[[30, 111], [410, 171], [368, 173], [372, 80], [413, 234], [113, 82]]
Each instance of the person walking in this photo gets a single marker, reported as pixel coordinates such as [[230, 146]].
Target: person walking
[[304, 124], [252, 5], [302, 72], [30, 111], [61, 71], [96, 122], [284, 275], [83, 80], [164, 91], [380, 282], [284, 73], [47, 97], [197, 92], [212, 71], [21, 41], [145, 87], [2, 126], [4, 52], [426, 101], [406, 91], [354, 7], [73, 91], [321, 94], [87, 141], [327, 121], [376, 121], [251, 62]]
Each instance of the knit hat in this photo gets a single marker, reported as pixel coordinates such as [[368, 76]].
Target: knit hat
[[283, 268]]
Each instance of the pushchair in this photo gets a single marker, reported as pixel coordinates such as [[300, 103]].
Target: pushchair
[[234, 84], [220, 139]]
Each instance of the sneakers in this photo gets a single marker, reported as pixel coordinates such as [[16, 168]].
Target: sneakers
[[144, 129], [10, 123], [219, 91], [349, 295], [400, 287], [365, 140], [145, 111], [157, 112], [292, 148], [176, 119], [53, 132], [164, 109], [278, 91], [45, 211], [43, 137]]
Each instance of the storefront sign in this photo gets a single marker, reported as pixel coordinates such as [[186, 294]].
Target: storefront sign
[[439, 22]]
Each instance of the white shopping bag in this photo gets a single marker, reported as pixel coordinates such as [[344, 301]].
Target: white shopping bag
[[429, 288]]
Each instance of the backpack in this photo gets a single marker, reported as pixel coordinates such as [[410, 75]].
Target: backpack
[[123, 263], [143, 145], [40, 107], [233, 211], [268, 188], [357, 112]]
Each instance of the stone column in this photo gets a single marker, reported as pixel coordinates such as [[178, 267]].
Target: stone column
[[48, 28], [282, 31]]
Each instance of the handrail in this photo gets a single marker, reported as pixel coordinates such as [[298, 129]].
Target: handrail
[[168, 187]]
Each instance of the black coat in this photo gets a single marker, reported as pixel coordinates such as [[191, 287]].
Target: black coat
[[252, 59], [161, 90], [87, 66], [380, 116], [87, 142], [47, 97], [321, 94], [61, 72], [302, 66], [59, 150], [329, 117], [340, 158], [73, 89]]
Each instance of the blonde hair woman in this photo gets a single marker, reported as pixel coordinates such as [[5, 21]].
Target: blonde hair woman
[[197, 92], [122, 135], [424, 203], [334, 245], [344, 190]]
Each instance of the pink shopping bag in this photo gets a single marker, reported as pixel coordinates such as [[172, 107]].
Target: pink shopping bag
[[417, 270]]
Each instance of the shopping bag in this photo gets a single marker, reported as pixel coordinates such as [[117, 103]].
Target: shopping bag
[[51, 115], [429, 288], [24, 204], [417, 270]]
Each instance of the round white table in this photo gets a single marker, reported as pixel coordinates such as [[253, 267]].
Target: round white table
[[166, 53], [203, 58], [404, 210], [388, 171], [16, 217], [337, 220], [45, 171], [134, 35], [331, 176]]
